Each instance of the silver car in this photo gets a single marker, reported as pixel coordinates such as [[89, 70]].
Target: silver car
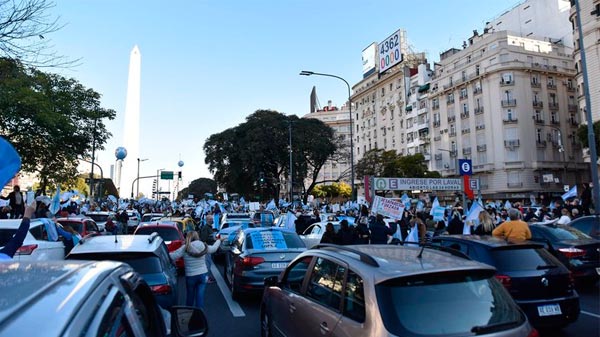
[[385, 290]]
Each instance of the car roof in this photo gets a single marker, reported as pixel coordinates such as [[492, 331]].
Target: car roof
[[491, 241], [262, 229], [100, 213], [56, 287], [118, 243], [73, 219], [399, 261]]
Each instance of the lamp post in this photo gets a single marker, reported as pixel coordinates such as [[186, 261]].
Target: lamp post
[[138, 177], [464, 197], [561, 148], [310, 73]]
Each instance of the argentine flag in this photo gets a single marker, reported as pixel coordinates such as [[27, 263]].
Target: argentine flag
[[571, 194], [435, 204]]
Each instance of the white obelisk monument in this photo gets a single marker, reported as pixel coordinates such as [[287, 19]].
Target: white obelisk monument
[[131, 129]]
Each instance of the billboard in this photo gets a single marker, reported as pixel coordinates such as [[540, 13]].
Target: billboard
[[390, 51], [369, 55], [411, 184]]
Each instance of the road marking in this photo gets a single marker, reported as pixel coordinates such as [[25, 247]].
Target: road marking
[[234, 307], [590, 314]]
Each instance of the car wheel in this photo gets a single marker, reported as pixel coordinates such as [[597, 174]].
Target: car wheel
[[235, 294], [265, 325]]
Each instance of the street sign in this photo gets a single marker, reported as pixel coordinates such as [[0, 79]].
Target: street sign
[[411, 184], [166, 175], [465, 167], [474, 183]]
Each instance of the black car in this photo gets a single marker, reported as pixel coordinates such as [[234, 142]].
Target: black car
[[590, 225], [575, 249], [540, 284]]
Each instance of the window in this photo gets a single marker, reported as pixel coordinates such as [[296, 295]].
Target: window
[[477, 68], [463, 93], [354, 299], [115, 321], [514, 179], [465, 108], [552, 98], [507, 78], [325, 284], [294, 276], [510, 115], [481, 158]]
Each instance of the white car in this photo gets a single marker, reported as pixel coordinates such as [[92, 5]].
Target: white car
[[312, 234], [100, 218], [134, 220], [36, 246]]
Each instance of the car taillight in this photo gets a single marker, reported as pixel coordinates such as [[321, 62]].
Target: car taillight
[[162, 289], [534, 333], [26, 250], [504, 279], [218, 236], [251, 261], [572, 252]]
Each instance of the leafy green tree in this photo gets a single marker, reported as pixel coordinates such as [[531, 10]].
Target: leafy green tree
[[52, 121], [382, 163], [198, 187], [582, 135]]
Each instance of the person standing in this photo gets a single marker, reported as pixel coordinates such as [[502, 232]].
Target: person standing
[[364, 235], [379, 231], [16, 241], [515, 228], [329, 236], [456, 226], [586, 199], [16, 202], [346, 235], [486, 224], [196, 272]]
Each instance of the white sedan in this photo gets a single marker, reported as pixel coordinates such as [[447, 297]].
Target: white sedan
[[38, 244], [312, 234]]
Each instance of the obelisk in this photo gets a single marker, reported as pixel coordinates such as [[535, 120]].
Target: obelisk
[[131, 128]]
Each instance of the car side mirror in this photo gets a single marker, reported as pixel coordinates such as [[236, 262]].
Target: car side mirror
[[188, 322], [272, 281]]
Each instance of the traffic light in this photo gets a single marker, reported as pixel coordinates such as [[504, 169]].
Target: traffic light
[[261, 178], [179, 175], [154, 186]]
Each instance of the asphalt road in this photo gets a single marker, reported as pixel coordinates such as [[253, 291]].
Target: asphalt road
[[227, 317]]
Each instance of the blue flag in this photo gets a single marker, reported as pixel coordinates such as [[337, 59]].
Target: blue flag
[[571, 194], [10, 162], [55, 204], [405, 200]]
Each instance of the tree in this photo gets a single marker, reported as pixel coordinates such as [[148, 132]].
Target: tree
[[198, 187], [25, 26], [52, 121], [582, 135], [382, 163]]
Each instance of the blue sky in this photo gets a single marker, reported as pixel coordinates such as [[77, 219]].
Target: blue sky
[[206, 65]]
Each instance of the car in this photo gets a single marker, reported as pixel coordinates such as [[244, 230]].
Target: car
[[313, 234], [226, 234], [146, 254], [83, 226], [589, 224], [387, 290], [263, 218], [234, 217], [540, 284], [133, 221], [185, 224], [257, 253], [100, 218], [38, 244], [170, 233], [575, 249], [148, 217], [86, 298]]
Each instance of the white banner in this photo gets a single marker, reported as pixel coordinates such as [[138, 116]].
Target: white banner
[[388, 207], [411, 184]]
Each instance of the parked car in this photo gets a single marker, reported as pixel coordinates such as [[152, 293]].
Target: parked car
[[100, 218], [313, 234], [386, 290], [575, 249], [263, 218], [146, 254], [83, 226], [38, 244], [134, 220], [257, 253], [590, 225], [148, 217], [86, 299], [541, 285], [170, 233]]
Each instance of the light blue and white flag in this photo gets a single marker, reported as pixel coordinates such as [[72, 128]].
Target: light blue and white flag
[[405, 200], [55, 205], [420, 206], [290, 221], [473, 214], [10, 162], [507, 205], [271, 205], [242, 201], [571, 194], [438, 213], [532, 200], [413, 237], [436, 203]]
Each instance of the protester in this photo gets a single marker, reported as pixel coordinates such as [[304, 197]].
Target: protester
[[379, 231], [196, 272], [564, 217], [346, 234], [329, 236], [586, 199], [456, 225], [515, 228], [440, 229], [486, 224], [71, 237], [362, 229], [10, 248], [16, 202], [422, 229]]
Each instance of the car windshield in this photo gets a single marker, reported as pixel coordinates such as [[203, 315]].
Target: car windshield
[[5, 235], [98, 217], [273, 240], [140, 262], [149, 217], [567, 233], [77, 226], [426, 305], [167, 234], [521, 259]]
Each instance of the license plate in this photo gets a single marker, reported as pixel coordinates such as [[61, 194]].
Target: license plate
[[278, 265], [598, 271], [549, 310]]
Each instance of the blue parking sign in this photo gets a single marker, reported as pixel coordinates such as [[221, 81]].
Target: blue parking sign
[[464, 167]]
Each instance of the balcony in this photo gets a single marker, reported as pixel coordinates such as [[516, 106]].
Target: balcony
[[424, 139], [570, 88], [504, 83], [452, 134], [573, 122], [481, 148], [438, 156], [510, 120], [480, 127], [551, 85], [451, 119], [540, 144], [508, 103], [554, 121], [478, 110], [477, 91], [538, 120], [465, 131], [572, 108], [538, 104], [463, 97], [466, 151], [536, 84], [450, 101], [518, 184], [436, 124], [512, 143], [553, 106], [464, 115], [453, 153]]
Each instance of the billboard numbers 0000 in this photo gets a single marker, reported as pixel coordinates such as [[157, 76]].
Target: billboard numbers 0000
[[390, 52]]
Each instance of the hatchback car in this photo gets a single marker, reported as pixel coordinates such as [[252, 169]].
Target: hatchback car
[[385, 290], [538, 281], [83, 226], [38, 244], [86, 299], [590, 225], [146, 254], [576, 250], [257, 253], [170, 233]]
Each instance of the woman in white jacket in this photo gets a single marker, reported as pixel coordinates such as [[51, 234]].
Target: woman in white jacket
[[196, 272]]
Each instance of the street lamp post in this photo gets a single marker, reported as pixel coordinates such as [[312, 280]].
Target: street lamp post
[[138, 177], [291, 163], [309, 73]]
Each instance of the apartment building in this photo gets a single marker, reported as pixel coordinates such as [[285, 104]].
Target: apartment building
[[509, 104], [417, 116]]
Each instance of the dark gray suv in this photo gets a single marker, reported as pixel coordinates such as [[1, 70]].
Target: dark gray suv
[[384, 290]]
